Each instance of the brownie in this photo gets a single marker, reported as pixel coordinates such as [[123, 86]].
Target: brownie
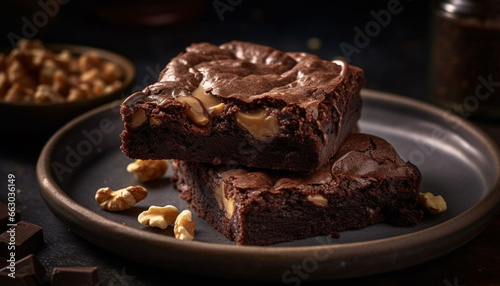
[[244, 104], [365, 182]]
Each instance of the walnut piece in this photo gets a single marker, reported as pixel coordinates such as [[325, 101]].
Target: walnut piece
[[317, 199], [195, 112], [258, 123], [120, 200], [159, 217], [225, 204], [46, 94], [211, 104], [138, 118], [19, 94], [148, 170], [88, 61], [433, 204], [184, 226]]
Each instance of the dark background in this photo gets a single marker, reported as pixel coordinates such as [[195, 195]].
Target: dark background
[[399, 50], [395, 60]]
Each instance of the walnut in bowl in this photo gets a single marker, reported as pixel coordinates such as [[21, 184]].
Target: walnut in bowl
[[44, 86]]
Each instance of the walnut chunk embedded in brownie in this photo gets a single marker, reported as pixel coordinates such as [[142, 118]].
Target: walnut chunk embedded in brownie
[[364, 183], [244, 104]]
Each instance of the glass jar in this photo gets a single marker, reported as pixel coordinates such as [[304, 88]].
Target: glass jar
[[465, 57]]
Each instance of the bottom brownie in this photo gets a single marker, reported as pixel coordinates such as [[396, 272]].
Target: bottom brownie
[[366, 182]]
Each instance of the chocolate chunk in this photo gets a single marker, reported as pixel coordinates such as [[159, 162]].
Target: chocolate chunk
[[77, 276], [20, 240], [25, 272]]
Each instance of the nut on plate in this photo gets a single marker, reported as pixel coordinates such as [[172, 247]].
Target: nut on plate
[[184, 226], [120, 200], [159, 217], [433, 204], [148, 170]]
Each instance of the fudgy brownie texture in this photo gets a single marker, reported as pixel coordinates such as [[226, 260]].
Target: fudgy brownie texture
[[244, 104], [364, 183]]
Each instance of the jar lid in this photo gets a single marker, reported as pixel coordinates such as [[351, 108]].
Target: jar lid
[[489, 8]]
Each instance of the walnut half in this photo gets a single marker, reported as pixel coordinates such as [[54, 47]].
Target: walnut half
[[159, 217], [120, 200], [184, 226], [148, 170]]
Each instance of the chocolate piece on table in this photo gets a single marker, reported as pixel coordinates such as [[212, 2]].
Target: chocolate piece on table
[[27, 272], [244, 104], [364, 183], [7, 217], [21, 240], [77, 276]]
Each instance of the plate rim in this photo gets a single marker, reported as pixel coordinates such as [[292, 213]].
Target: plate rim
[[423, 245]]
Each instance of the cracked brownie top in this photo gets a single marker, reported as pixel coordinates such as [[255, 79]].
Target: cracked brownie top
[[360, 157], [248, 72]]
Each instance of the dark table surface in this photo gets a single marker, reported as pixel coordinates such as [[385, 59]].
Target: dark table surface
[[395, 60]]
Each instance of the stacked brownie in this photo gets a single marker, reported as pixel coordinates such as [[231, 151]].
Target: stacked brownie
[[265, 146]]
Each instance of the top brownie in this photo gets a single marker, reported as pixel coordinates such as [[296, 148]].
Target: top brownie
[[244, 104]]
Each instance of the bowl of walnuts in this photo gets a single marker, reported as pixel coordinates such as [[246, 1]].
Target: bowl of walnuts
[[43, 86]]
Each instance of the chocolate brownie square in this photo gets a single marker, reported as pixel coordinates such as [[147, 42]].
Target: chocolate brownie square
[[244, 104], [365, 182]]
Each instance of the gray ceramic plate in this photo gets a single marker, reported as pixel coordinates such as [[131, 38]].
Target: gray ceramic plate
[[455, 158]]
